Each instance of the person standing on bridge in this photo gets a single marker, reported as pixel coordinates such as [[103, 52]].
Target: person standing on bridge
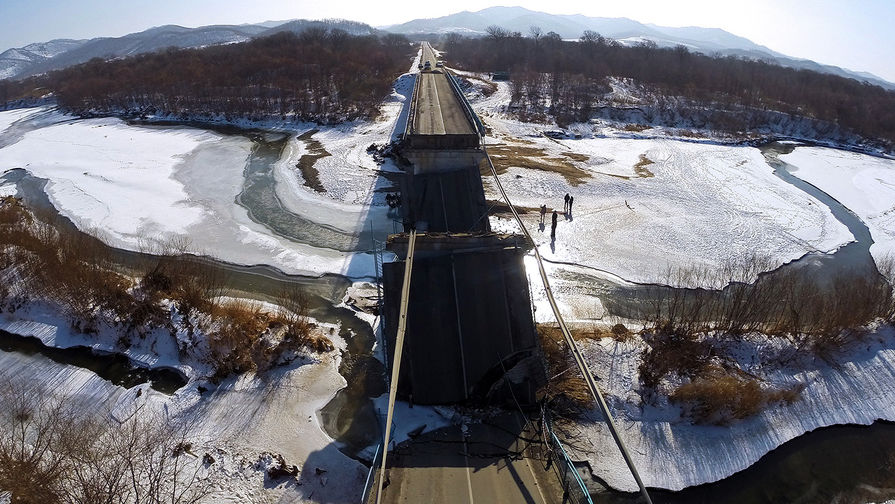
[[543, 214], [553, 227], [565, 206]]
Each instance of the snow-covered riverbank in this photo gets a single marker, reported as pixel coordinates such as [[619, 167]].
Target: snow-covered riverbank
[[139, 186], [650, 203], [672, 453], [864, 184], [238, 421]]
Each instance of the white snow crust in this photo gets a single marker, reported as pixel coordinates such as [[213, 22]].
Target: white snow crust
[[864, 184]]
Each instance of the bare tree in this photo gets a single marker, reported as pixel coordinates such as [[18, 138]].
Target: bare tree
[[495, 32], [535, 33], [52, 451]]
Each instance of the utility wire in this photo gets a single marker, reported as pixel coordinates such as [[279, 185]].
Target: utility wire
[[567, 335], [396, 362]]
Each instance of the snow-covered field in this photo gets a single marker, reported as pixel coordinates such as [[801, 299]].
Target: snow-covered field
[[706, 204], [864, 184]]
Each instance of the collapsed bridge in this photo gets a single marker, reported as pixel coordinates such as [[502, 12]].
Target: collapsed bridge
[[469, 320]]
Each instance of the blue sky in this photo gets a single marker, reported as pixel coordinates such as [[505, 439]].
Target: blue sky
[[855, 34]]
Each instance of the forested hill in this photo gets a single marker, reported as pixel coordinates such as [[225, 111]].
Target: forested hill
[[569, 80], [323, 75]]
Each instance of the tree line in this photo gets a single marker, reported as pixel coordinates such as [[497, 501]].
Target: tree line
[[320, 74], [568, 78]]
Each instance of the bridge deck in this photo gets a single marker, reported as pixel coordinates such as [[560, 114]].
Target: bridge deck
[[439, 111]]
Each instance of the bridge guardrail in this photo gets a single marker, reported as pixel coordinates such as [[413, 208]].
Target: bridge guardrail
[[408, 126], [371, 475], [568, 473], [467, 108]]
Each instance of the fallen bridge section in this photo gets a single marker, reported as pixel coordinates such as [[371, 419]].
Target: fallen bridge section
[[446, 200], [469, 332]]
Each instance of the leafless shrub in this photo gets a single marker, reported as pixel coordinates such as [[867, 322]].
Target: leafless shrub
[[673, 352], [51, 452], [619, 332], [235, 336], [39, 442], [245, 337], [566, 393], [786, 303], [293, 303], [687, 327]]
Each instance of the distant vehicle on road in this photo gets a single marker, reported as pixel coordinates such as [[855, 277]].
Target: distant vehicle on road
[[439, 64], [427, 66]]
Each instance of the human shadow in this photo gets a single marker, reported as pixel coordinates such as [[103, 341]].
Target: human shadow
[[327, 476]]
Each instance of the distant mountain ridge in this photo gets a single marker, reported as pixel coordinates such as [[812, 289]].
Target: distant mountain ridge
[[17, 60], [626, 31], [43, 57]]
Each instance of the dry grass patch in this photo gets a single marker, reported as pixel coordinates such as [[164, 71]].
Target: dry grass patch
[[498, 207], [566, 392], [243, 337], [575, 156], [506, 156], [721, 399], [636, 128], [640, 167], [305, 164]]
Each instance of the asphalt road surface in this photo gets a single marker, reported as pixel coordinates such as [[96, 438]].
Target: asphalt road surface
[[446, 466], [438, 111]]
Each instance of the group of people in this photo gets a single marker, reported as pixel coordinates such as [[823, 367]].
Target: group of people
[[567, 211]]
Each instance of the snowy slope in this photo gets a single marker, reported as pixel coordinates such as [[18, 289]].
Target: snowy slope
[[671, 453], [56, 54], [17, 60]]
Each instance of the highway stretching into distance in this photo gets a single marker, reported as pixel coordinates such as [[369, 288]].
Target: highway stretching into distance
[[481, 462]]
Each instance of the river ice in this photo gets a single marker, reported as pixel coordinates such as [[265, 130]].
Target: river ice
[[864, 184]]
